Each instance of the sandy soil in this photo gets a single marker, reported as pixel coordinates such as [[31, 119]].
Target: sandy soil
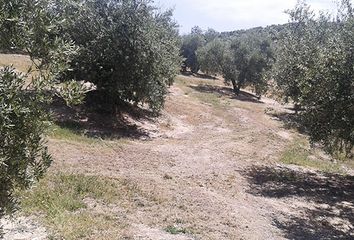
[[22, 228], [212, 170]]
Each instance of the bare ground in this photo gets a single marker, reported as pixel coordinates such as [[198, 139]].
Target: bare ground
[[210, 169]]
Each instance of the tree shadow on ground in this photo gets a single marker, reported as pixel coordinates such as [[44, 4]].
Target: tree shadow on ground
[[291, 120], [198, 75], [227, 91], [96, 123], [330, 213]]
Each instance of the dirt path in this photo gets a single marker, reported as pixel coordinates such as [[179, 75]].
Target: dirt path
[[211, 172]]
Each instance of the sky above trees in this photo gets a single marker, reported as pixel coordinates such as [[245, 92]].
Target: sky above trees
[[228, 15]]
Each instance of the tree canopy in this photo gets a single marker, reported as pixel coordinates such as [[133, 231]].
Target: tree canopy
[[128, 49], [315, 70], [243, 61]]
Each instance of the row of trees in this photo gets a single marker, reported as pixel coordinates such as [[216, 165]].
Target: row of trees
[[128, 48], [243, 59], [309, 61]]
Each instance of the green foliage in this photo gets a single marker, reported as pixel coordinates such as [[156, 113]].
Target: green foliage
[[23, 158], [315, 70], [176, 230], [211, 35], [190, 45], [128, 49], [292, 57], [246, 63], [29, 27], [243, 61], [34, 28], [212, 56]]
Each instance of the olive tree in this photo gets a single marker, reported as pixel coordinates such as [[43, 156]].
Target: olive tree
[[315, 69], [246, 62], [23, 156], [296, 51], [190, 45], [211, 57], [31, 28], [243, 61], [129, 49]]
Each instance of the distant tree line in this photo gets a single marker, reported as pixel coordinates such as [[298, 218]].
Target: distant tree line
[[309, 61], [243, 58]]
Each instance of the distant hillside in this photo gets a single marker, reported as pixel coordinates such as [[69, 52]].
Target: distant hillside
[[273, 31]]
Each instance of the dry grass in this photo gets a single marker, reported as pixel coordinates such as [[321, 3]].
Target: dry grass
[[218, 100], [77, 206], [20, 62]]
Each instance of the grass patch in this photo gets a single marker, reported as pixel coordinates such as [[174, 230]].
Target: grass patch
[[73, 132], [299, 153], [187, 80], [77, 206], [70, 133], [84, 225], [176, 230], [217, 100], [59, 198], [210, 98]]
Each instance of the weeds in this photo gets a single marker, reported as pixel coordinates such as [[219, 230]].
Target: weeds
[[176, 230]]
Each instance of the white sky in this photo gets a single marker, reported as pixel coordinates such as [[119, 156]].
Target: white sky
[[228, 15]]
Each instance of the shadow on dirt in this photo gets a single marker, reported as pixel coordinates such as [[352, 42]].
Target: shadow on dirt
[[95, 123], [227, 91], [290, 120], [198, 75], [332, 197]]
